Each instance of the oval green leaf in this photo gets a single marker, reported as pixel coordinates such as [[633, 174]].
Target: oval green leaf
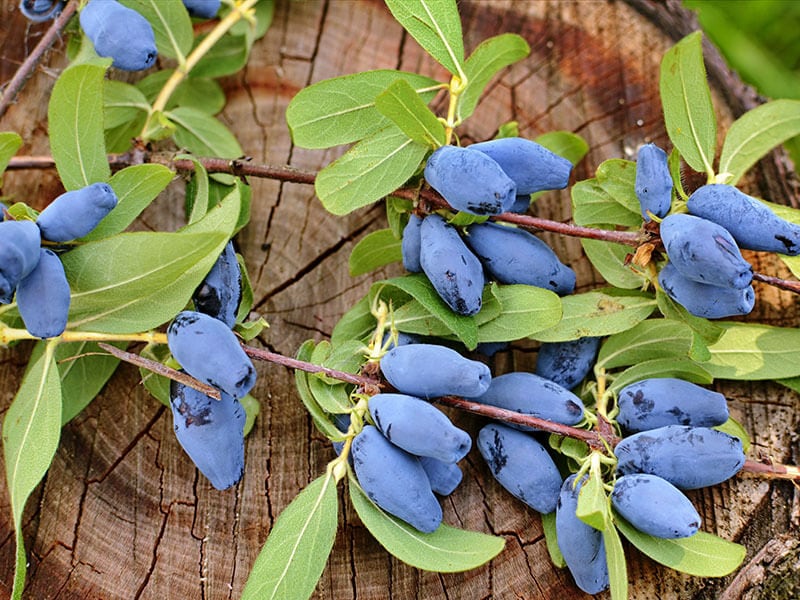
[[374, 250], [752, 351], [651, 339]]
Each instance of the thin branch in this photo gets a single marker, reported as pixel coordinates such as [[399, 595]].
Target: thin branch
[[792, 286], [26, 68], [294, 363], [772, 470]]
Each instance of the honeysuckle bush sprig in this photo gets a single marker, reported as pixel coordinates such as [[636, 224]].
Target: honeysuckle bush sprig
[[123, 300]]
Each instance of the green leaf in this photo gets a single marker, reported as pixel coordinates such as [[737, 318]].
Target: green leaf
[[651, 339], [593, 507], [374, 250], [551, 539], [373, 168], [342, 110], [401, 104], [680, 368], [76, 130], [226, 57], [136, 187], [157, 385], [755, 133], [446, 550], [686, 98], [609, 259], [702, 555], [171, 25], [736, 429], [609, 197], [418, 287], [10, 142], [566, 144], [397, 211], [751, 351], [489, 58], [132, 282], [197, 191], [595, 314], [525, 310], [84, 368], [332, 398], [292, 559], [122, 103], [301, 380], [709, 331], [31, 430], [202, 134], [118, 139], [358, 323], [617, 567], [436, 26], [252, 407], [414, 317], [206, 95]]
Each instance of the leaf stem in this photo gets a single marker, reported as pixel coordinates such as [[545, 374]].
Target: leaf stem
[[239, 11], [10, 334]]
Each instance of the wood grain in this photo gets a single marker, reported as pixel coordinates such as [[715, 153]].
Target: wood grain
[[122, 513]]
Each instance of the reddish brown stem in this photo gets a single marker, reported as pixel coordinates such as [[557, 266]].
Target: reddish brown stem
[[26, 68], [772, 470], [792, 286]]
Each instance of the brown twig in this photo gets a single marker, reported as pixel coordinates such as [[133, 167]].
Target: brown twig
[[26, 68], [792, 286], [772, 470]]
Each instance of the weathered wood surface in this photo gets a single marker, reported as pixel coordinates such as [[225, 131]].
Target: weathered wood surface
[[123, 514]]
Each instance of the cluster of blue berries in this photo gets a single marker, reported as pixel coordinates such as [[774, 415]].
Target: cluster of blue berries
[[212, 431], [487, 178], [123, 34], [36, 273], [412, 449]]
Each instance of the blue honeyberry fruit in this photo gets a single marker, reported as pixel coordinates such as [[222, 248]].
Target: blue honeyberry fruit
[[751, 223], [521, 204], [513, 255], [43, 297], [402, 339], [653, 185], [395, 480], [410, 246], [455, 273], [74, 214], [39, 11], [444, 477], [220, 292], [470, 180], [533, 395], [418, 427], [653, 403], [19, 250], [210, 352], [211, 432], [533, 167], [6, 290], [429, 371], [203, 9], [491, 348], [120, 33], [687, 457], [342, 422], [704, 252], [521, 465], [567, 363], [654, 506], [581, 545], [703, 300]]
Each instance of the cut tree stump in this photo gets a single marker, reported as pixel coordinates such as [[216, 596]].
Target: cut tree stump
[[123, 514]]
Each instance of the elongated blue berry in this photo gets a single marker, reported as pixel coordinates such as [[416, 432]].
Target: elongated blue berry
[[430, 371], [204, 9], [210, 352], [453, 270], [470, 180], [444, 477], [654, 506], [687, 457], [653, 186], [653, 403], [74, 214], [581, 545], [512, 255], [6, 290], [533, 167], [521, 465], [395, 480], [521, 204], [418, 427], [211, 432], [120, 33], [703, 300], [567, 363], [41, 10], [19, 250], [751, 223], [43, 297], [531, 394], [221, 291], [410, 245], [704, 252]]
